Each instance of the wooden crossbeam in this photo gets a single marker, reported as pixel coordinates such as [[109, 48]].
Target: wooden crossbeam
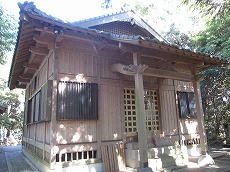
[[42, 39], [121, 68], [26, 76], [153, 52], [31, 66], [39, 50], [24, 80], [168, 74]]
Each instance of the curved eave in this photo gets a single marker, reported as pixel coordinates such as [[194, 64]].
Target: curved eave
[[154, 44], [21, 53], [10, 84]]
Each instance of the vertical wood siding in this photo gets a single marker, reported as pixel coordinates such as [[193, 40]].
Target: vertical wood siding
[[168, 112], [76, 131], [71, 62], [40, 132], [110, 104], [31, 130]]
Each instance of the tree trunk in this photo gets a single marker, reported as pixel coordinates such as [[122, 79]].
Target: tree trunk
[[8, 133]]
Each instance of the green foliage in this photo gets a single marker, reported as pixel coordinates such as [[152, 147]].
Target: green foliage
[[7, 33], [215, 39], [211, 8], [175, 37], [12, 119], [215, 89]]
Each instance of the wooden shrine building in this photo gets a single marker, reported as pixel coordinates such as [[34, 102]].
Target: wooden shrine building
[[106, 93]]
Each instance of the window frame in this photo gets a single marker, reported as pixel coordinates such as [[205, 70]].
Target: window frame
[[186, 104], [38, 106], [85, 96]]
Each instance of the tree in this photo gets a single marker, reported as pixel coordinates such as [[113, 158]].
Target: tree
[[175, 37], [212, 8], [215, 87], [215, 39], [7, 33], [12, 119]]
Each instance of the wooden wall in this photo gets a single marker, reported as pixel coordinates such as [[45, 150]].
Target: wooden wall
[[76, 132], [36, 136], [173, 125], [110, 112], [95, 66]]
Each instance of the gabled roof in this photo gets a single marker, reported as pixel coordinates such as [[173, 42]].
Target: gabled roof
[[34, 22], [124, 16]]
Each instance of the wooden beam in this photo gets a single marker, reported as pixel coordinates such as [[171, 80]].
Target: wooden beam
[[153, 52], [24, 80], [128, 69], [39, 50], [43, 39], [26, 76], [132, 70], [168, 74], [20, 85], [30, 66]]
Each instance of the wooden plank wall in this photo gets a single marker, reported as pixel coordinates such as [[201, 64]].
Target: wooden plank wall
[[173, 125], [76, 132], [73, 62], [110, 104], [168, 113], [39, 132], [96, 68]]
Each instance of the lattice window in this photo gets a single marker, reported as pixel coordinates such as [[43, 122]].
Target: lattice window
[[151, 110], [130, 111]]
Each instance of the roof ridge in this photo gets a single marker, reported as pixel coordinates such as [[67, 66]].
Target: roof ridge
[[105, 15]]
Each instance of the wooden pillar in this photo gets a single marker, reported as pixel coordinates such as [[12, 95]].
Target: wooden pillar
[[200, 117], [53, 122], [140, 110]]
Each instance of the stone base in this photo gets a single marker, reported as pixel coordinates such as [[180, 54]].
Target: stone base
[[147, 169], [205, 160], [43, 166]]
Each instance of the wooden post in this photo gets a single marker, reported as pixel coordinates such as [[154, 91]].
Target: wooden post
[[200, 117], [140, 110], [53, 122]]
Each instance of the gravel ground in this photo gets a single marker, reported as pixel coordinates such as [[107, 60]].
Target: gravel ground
[[12, 160]]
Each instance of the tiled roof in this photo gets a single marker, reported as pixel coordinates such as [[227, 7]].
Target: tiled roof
[[31, 8]]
